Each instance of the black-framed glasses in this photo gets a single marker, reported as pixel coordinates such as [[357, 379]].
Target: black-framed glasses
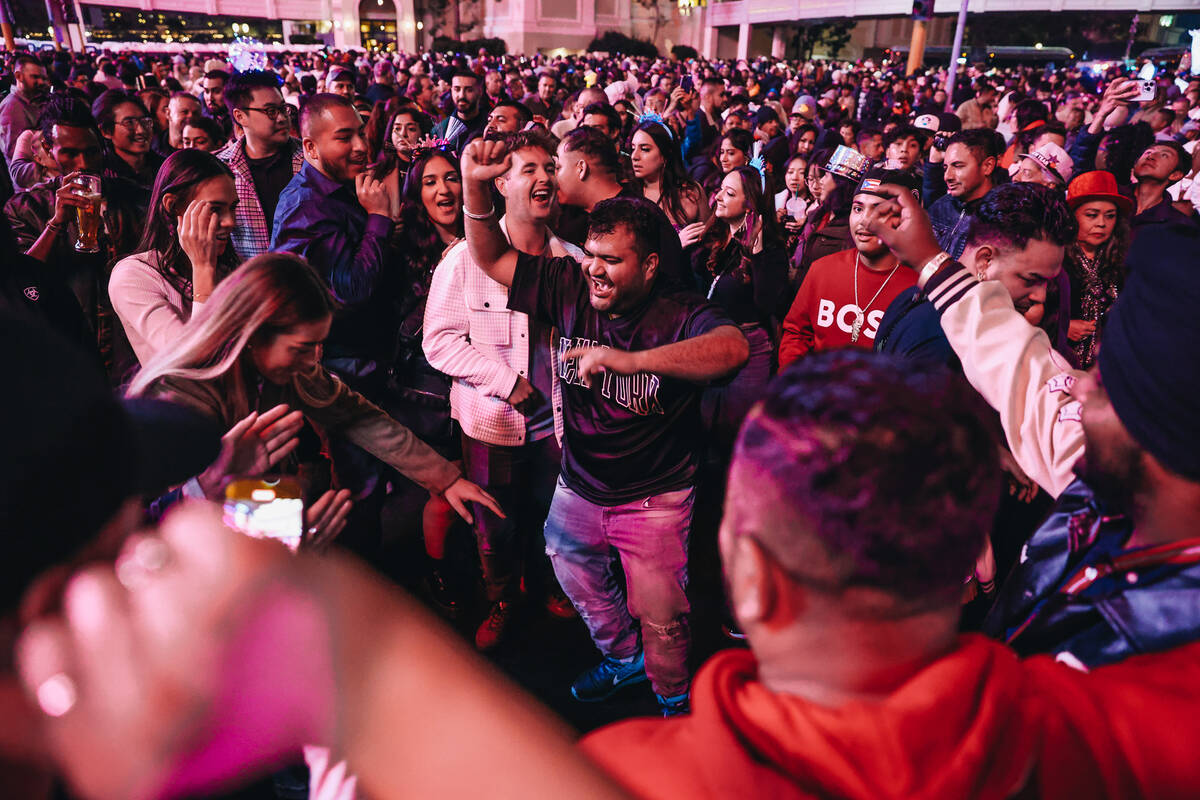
[[270, 112], [133, 123]]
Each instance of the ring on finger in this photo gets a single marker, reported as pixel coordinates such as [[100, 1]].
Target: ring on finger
[[148, 556], [57, 695]]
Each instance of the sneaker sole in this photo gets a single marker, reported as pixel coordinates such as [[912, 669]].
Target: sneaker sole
[[632, 681]]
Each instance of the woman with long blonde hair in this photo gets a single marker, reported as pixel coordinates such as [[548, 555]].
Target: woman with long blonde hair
[[256, 346]]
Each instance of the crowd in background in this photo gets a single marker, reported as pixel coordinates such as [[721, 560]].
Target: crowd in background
[[934, 350]]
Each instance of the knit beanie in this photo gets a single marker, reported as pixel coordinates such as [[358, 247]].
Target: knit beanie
[[1150, 354]]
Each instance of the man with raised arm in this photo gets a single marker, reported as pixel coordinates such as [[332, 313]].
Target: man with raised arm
[[633, 358], [1115, 569]]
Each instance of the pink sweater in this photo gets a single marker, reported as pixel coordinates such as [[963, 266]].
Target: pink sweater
[[153, 313]]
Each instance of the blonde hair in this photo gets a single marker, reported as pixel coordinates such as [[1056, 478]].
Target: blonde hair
[[265, 296]]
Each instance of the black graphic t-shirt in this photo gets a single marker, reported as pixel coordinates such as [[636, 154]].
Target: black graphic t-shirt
[[628, 437]]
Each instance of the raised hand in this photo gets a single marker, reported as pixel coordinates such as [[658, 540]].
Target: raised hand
[[372, 195], [67, 197], [484, 161], [903, 226], [198, 238], [252, 447]]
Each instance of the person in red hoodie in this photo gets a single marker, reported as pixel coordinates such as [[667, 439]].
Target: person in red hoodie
[[857, 502], [844, 295]]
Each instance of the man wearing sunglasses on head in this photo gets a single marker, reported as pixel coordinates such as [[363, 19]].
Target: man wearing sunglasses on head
[[263, 161]]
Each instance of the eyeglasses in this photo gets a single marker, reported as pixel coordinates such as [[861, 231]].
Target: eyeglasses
[[133, 123], [271, 112]]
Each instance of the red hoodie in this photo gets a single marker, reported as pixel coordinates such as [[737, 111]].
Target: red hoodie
[[978, 723]]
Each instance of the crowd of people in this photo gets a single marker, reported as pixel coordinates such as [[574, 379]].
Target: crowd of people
[[931, 350]]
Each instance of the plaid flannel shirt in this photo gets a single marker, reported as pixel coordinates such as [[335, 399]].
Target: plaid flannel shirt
[[252, 236]]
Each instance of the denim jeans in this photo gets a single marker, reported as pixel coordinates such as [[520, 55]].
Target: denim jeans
[[522, 480], [650, 536]]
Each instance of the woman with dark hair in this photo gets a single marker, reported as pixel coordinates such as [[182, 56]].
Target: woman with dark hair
[[156, 102], [128, 128], [659, 176], [407, 130], [418, 395], [183, 254], [733, 149], [827, 230], [1095, 261], [742, 266]]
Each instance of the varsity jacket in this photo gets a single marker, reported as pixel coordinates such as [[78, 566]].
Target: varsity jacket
[[1078, 590]]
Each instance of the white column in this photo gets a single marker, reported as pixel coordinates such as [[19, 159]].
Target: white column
[[743, 40], [708, 41], [406, 26], [778, 41], [345, 25]]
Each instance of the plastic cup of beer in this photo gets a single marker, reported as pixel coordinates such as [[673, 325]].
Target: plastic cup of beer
[[87, 187]]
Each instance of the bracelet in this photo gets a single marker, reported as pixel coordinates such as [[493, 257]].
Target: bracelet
[[54, 228], [484, 216], [931, 267]]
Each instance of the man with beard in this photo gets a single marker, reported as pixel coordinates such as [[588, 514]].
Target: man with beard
[[968, 168], [468, 119], [20, 110], [633, 357], [213, 98], [1114, 570], [494, 353], [332, 212]]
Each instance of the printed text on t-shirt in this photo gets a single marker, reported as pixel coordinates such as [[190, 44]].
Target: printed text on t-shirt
[[637, 393]]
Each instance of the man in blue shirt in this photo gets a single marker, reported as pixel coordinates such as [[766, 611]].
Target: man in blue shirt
[[336, 215]]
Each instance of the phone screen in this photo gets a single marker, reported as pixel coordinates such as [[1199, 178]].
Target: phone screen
[[266, 509], [687, 83]]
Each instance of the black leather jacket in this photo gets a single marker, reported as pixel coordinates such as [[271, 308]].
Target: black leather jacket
[[1079, 591]]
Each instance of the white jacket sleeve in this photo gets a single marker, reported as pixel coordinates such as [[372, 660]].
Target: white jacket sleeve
[[1012, 364], [446, 339]]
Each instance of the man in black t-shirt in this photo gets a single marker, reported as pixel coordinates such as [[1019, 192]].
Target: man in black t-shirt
[[633, 357]]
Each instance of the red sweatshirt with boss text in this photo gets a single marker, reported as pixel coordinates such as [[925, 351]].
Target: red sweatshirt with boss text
[[823, 313]]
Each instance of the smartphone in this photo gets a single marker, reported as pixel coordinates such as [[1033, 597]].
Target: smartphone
[[686, 83], [266, 508], [1147, 90]]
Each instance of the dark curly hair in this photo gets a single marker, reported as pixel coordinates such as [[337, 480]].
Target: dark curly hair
[[1122, 146], [598, 148], [888, 463], [652, 233], [1012, 215], [419, 238], [730, 253]]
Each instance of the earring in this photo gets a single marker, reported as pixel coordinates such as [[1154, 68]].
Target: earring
[[979, 275]]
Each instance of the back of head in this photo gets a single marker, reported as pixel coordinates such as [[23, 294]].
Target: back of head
[[68, 460], [598, 149], [1013, 214], [885, 473]]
